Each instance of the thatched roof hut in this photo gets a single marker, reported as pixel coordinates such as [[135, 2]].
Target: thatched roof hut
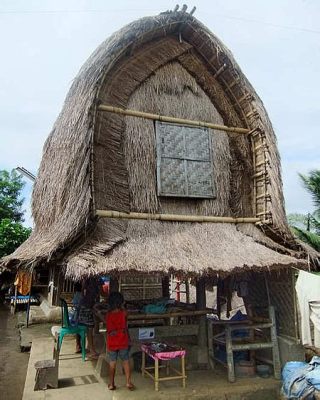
[[173, 66]]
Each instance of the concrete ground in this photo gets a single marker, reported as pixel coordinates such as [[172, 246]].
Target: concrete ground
[[80, 380], [13, 363]]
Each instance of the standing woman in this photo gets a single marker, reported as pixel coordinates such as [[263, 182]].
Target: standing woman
[[90, 295]]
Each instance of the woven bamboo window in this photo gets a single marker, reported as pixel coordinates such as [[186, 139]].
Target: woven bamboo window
[[184, 163]]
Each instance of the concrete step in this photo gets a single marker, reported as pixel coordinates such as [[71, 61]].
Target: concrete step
[[32, 333]]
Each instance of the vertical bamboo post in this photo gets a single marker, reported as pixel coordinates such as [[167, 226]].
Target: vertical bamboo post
[[183, 371], [231, 374], [210, 345], [143, 288], [202, 333], [13, 309], [296, 318], [156, 375], [187, 281], [29, 299], [275, 349], [143, 363], [165, 286], [254, 200]]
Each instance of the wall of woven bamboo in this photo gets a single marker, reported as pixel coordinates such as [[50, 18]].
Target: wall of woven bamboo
[[161, 78]]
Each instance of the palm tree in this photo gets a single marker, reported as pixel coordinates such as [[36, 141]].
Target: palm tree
[[312, 183]]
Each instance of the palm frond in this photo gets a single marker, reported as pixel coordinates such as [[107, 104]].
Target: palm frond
[[308, 237], [312, 183]]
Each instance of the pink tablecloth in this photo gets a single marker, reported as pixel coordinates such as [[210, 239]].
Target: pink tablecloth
[[163, 355]]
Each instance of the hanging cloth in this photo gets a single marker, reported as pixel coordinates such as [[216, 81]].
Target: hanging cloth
[[308, 293], [23, 282]]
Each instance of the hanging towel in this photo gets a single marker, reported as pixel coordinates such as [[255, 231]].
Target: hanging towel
[[23, 282]]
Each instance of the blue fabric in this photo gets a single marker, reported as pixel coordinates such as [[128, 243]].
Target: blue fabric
[[313, 378], [239, 316], [74, 312], [300, 379], [158, 308]]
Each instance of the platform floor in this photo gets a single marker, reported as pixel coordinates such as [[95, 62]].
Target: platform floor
[[79, 380]]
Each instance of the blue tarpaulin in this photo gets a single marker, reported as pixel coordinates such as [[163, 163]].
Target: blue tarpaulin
[[300, 379]]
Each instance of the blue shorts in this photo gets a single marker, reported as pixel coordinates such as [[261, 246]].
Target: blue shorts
[[122, 354]]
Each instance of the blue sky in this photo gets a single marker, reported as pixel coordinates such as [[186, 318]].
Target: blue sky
[[276, 43]]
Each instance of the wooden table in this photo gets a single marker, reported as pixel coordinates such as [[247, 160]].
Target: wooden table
[[166, 354]]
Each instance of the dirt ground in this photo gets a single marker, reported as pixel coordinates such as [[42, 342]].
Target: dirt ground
[[13, 363]]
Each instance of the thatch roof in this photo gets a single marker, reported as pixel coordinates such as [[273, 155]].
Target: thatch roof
[[183, 248], [168, 64]]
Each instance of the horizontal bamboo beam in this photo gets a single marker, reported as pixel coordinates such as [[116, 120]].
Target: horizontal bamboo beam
[[190, 313], [174, 217], [157, 117]]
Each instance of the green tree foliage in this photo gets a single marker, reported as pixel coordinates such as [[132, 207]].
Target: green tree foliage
[[307, 227], [308, 237], [312, 183], [12, 232], [10, 188], [298, 220]]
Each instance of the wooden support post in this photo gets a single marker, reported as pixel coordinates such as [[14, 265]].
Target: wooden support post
[[202, 334], [275, 347], [183, 371], [201, 294], [165, 286], [156, 375], [210, 345], [29, 300], [187, 283], [143, 364], [114, 285], [231, 374], [13, 309]]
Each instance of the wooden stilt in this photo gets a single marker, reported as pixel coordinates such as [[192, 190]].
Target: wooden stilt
[[165, 286], [202, 333]]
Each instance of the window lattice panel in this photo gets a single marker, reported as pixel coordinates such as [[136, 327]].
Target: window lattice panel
[[184, 165]]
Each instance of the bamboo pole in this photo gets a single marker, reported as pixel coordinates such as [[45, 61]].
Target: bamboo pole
[[254, 198], [174, 217], [251, 113], [262, 164], [220, 70], [233, 83], [157, 117], [190, 313]]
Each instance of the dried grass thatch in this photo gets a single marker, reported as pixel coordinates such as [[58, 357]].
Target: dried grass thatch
[[184, 248], [169, 64]]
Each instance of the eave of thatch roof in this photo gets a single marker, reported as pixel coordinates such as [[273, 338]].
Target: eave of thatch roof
[[181, 248], [63, 206]]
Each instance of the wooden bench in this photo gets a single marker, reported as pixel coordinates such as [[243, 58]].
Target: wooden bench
[[47, 371]]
